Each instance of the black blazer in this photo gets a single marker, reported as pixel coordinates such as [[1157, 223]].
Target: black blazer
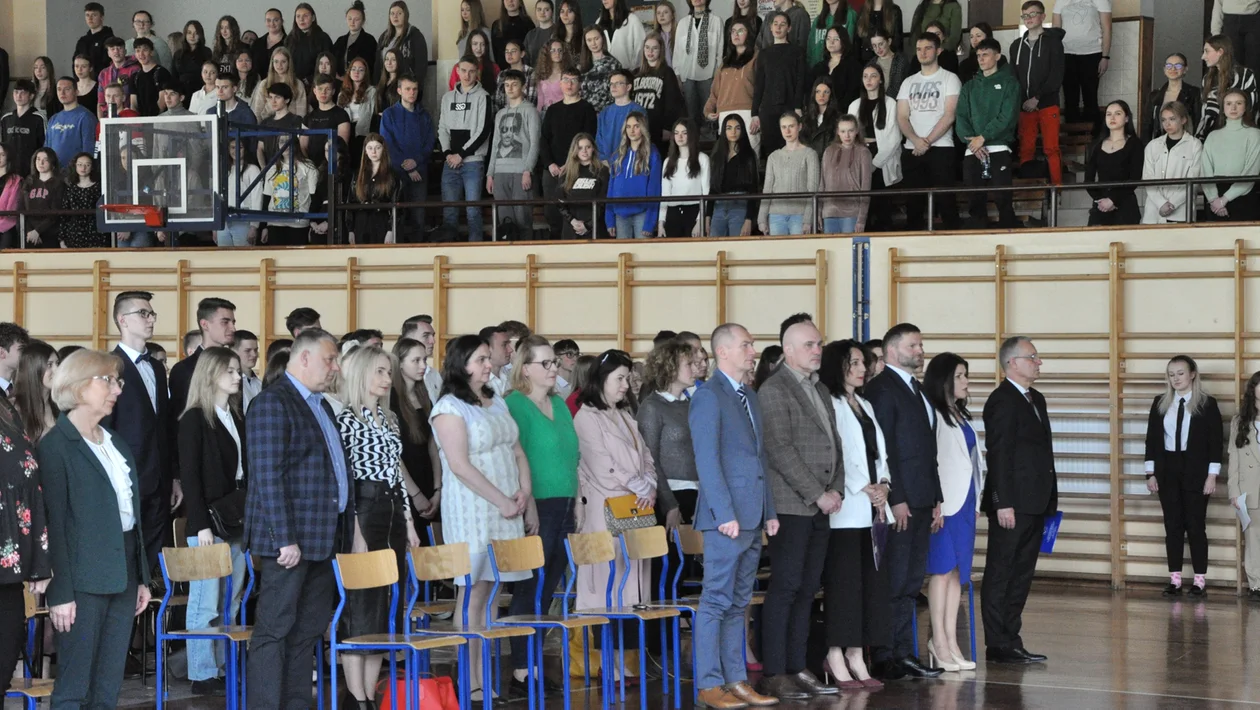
[[1020, 453], [148, 434], [85, 538], [181, 379], [909, 440], [207, 464], [1204, 443]]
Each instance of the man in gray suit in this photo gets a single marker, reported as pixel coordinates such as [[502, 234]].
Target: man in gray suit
[[806, 475], [732, 506]]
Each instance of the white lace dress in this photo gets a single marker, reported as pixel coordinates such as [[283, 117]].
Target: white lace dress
[[466, 516]]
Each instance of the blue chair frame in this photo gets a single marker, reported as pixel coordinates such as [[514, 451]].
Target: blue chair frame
[[543, 623], [234, 661], [413, 654], [664, 602]]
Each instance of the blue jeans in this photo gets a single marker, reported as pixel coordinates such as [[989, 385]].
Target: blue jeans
[[140, 240], [728, 218], [839, 225], [463, 183], [205, 658], [233, 234], [631, 226], [555, 521], [781, 224]]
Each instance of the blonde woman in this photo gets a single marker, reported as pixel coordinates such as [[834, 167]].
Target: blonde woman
[[212, 469], [370, 437], [280, 72], [635, 172]]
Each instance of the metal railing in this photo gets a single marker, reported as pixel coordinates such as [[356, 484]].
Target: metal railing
[[1050, 203]]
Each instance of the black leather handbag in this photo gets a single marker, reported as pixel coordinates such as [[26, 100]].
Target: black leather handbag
[[227, 515]]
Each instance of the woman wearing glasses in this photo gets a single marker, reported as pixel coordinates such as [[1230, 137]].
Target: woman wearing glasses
[[1173, 90], [100, 581]]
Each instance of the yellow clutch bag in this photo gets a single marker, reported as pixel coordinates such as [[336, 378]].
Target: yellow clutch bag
[[623, 513]]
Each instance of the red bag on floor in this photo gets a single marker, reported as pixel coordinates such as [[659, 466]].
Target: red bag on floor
[[434, 694]]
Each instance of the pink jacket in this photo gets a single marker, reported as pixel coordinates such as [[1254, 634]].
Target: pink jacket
[[10, 196]]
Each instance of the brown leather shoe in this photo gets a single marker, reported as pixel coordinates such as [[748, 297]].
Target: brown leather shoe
[[744, 692], [720, 698], [810, 684]]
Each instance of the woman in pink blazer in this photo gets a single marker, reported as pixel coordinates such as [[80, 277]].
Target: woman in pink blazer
[[614, 461]]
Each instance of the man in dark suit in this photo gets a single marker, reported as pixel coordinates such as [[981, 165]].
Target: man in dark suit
[[142, 418], [907, 420], [217, 319], [805, 474], [733, 504], [1019, 492], [296, 506]]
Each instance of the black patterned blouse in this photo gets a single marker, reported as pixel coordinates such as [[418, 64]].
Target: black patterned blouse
[[373, 445], [23, 530], [79, 232]]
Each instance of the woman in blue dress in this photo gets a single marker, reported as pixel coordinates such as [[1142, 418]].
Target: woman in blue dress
[[952, 546]]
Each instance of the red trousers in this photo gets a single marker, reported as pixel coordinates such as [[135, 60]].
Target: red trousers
[[1045, 120]]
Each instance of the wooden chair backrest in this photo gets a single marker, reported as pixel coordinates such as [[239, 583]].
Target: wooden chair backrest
[[196, 564], [179, 528], [592, 548], [441, 561], [646, 543], [368, 570], [29, 601], [692, 540], [518, 555]]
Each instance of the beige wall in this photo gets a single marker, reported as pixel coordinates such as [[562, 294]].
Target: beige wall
[[23, 31]]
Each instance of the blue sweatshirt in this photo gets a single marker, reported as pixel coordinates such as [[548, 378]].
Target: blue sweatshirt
[[611, 120], [243, 116], [408, 135], [70, 133], [623, 183]]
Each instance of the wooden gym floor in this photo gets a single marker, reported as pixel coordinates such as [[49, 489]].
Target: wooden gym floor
[[1129, 649]]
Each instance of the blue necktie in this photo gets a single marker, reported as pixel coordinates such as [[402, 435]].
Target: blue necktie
[[743, 399]]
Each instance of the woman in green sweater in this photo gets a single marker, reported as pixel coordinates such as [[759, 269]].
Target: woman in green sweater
[[551, 447], [946, 12], [1232, 151], [834, 13]]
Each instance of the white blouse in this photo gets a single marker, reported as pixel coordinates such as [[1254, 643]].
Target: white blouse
[[119, 476]]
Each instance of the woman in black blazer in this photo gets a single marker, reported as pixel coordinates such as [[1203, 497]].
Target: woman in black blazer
[[91, 492], [212, 471], [1184, 443]]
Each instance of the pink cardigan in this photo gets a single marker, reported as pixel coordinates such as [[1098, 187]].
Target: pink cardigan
[[845, 170], [10, 196]]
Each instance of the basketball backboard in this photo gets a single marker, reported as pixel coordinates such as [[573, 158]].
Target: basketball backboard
[[165, 161]]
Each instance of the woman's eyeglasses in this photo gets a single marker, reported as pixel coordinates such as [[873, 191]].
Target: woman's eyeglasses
[[1178, 66], [547, 364], [110, 380]]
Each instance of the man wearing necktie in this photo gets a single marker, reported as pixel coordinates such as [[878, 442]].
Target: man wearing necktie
[[296, 512], [1020, 491], [908, 421], [142, 418]]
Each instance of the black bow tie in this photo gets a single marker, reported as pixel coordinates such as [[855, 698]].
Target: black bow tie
[[144, 357]]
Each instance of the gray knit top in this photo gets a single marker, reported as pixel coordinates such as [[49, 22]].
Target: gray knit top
[[667, 434]]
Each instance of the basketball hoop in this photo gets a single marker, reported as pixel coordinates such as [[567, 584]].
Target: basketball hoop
[[153, 215]]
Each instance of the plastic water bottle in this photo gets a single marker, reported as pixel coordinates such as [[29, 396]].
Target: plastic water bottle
[[987, 174]]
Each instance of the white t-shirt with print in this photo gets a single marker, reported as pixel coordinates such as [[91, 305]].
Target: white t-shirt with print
[[1082, 25], [926, 96], [282, 194]]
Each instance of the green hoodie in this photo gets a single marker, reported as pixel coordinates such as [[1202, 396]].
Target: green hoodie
[[989, 106]]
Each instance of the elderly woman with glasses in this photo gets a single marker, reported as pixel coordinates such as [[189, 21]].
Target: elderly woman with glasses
[[100, 581]]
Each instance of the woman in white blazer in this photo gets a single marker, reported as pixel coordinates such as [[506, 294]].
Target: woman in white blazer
[[953, 546], [1244, 477], [700, 30], [623, 32], [877, 112], [855, 586], [1176, 154]]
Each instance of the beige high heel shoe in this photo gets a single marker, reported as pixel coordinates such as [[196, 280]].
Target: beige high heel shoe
[[963, 663], [942, 663]]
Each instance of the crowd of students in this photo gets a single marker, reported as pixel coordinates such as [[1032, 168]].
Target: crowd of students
[[786, 100]]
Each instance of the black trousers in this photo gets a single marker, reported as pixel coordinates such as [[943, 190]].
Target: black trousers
[[1000, 176], [155, 524], [855, 593], [1080, 88], [556, 522], [280, 236], [1185, 515], [92, 654], [1244, 32], [680, 220], [797, 556], [12, 631], [935, 168], [906, 559], [1126, 212], [294, 608], [551, 190], [1008, 573], [879, 214]]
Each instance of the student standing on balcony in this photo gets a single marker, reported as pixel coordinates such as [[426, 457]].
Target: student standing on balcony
[[1233, 151], [779, 83], [1173, 90], [1038, 58], [1173, 154], [1115, 157], [925, 111], [987, 111], [1240, 21], [1087, 54], [1224, 74]]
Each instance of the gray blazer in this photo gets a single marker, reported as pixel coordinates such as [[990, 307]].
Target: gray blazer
[[803, 463]]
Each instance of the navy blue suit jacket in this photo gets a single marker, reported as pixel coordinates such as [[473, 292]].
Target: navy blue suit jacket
[[148, 434], [292, 493], [909, 440], [730, 457]]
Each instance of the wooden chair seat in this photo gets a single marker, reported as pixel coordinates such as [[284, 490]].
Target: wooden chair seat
[[493, 632], [32, 687], [417, 643], [693, 604], [570, 622], [232, 633], [432, 609], [758, 598], [652, 612]]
